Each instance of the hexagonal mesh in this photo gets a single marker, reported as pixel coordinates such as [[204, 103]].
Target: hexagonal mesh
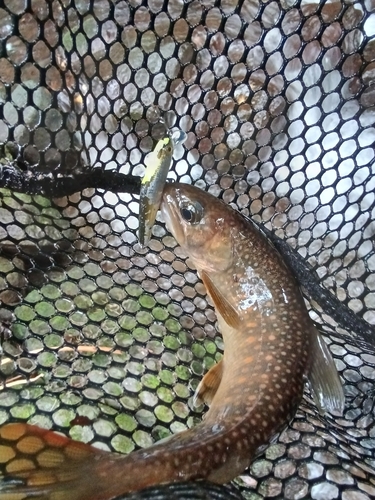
[[110, 339]]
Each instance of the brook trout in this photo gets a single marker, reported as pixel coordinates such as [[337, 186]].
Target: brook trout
[[253, 393]]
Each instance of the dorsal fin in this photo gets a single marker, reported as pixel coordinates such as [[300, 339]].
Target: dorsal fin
[[223, 306]]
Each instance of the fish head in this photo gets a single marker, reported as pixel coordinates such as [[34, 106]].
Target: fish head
[[201, 224]]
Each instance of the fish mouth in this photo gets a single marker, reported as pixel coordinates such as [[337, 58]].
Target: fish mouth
[[171, 213]]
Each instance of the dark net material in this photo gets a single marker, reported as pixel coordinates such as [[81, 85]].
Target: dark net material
[[109, 340]]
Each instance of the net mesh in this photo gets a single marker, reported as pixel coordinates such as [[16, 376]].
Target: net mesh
[[109, 339]]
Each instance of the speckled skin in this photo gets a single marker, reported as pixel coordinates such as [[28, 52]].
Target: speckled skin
[[266, 357]]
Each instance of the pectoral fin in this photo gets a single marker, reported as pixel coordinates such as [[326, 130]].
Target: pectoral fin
[[324, 380], [225, 309], [208, 386]]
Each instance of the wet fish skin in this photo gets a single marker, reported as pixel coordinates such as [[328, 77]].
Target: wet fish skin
[[254, 392], [252, 290], [266, 328]]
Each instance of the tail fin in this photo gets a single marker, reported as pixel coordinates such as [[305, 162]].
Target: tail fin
[[43, 464]]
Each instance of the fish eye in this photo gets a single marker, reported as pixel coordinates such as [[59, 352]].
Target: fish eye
[[191, 212]]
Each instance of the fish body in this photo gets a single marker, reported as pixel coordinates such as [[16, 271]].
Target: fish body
[[266, 329], [253, 392]]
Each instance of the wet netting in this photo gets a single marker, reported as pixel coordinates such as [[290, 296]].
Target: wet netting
[[105, 340]]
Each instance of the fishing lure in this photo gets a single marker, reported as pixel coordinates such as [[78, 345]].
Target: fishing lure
[[158, 164]]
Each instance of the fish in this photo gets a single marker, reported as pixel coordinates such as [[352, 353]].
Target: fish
[[158, 164], [258, 303], [270, 348]]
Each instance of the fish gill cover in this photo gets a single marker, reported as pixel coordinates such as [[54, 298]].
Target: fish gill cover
[[105, 340]]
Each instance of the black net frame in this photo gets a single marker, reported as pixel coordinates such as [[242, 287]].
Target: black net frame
[[105, 340]]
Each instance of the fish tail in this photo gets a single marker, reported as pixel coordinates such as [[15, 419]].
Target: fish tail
[[38, 463], [43, 465]]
